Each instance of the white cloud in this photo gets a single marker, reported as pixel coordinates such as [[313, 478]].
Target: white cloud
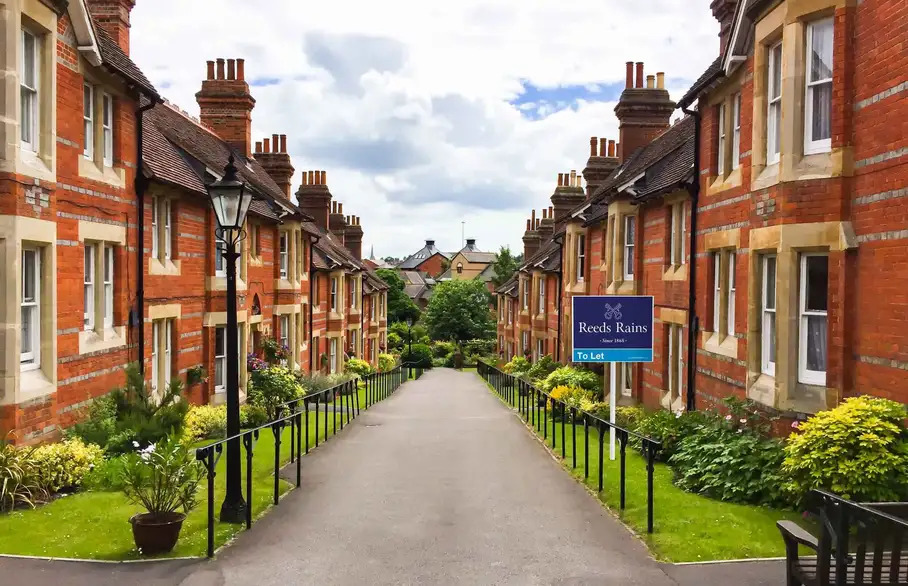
[[406, 103]]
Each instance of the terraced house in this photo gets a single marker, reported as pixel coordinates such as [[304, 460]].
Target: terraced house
[[108, 238], [768, 221]]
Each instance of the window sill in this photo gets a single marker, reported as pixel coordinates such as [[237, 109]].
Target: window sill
[[675, 273], [726, 347], [99, 341], [34, 384], [169, 268], [219, 397], [720, 184], [33, 165], [220, 284], [621, 287], [667, 402], [768, 177], [763, 390], [816, 166], [286, 285], [89, 169]]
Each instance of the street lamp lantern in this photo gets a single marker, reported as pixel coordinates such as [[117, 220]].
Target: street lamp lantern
[[231, 201]]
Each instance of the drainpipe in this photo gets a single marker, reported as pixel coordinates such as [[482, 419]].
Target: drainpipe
[[362, 317], [141, 185], [693, 321], [312, 242], [560, 303]]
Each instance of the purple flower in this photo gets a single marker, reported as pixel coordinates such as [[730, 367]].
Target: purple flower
[[795, 425]]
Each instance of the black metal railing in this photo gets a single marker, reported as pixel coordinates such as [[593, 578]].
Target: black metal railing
[[537, 407], [339, 404]]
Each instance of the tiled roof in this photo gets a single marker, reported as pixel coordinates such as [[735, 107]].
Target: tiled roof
[[420, 256], [547, 258], [479, 257], [114, 57], [487, 273], [712, 73], [509, 286]]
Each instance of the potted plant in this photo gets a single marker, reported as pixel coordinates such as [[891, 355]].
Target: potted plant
[[163, 478]]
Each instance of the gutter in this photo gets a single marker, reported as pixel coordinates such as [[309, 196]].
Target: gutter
[[693, 321], [141, 186]]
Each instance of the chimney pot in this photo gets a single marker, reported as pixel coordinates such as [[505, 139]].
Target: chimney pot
[[629, 80], [324, 178], [545, 213], [231, 69], [639, 83], [551, 211], [220, 69], [241, 69], [533, 216], [305, 177], [210, 70], [660, 80], [283, 143], [537, 224], [275, 141], [528, 224], [593, 146], [258, 146], [560, 179], [267, 143], [611, 148], [340, 208], [573, 178], [650, 81], [602, 146], [310, 178]]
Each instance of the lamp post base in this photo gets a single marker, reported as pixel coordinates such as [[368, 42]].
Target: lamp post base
[[233, 511]]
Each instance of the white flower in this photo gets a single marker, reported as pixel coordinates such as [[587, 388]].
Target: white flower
[[728, 418], [677, 414], [743, 420], [135, 444]]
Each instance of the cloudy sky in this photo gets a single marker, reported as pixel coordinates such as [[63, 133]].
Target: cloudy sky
[[427, 114]]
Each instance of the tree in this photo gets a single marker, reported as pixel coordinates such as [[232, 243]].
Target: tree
[[459, 311], [445, 265], [400, 307], [504, 266]]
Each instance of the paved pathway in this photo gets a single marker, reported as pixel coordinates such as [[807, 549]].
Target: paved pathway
[[437, 485]]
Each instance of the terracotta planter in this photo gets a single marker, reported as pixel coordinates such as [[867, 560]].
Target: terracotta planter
[[156, 534]]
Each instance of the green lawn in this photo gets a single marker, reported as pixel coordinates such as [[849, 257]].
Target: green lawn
[[688, 527], [95, 524]]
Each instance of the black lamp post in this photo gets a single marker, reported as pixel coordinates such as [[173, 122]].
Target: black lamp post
[[410, 338], [231, 203]]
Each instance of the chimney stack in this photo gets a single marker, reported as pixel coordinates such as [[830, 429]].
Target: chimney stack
[[546, 226], [643, 114], [353, 237], [272, 155], [336, 223], [113, 17], [724, 12], [226, 105], [315, 199], [598, 168], [530, 238], [567, 194]]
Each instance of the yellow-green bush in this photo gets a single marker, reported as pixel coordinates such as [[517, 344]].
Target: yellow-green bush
[[858, 450], [64, 465], [205, 422]]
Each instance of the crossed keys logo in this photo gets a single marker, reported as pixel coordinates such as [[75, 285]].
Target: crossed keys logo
[[612, 312]]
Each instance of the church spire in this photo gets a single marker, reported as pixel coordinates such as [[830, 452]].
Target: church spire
[[372, 253]]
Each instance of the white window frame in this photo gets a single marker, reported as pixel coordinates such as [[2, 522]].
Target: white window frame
[[806, 375], [525, 290], [717, 291], [88, 121], [736, 132], [283, 252], [540, 348], [372, 306], [720, 148], [541, 299], [107, 115], [773, 103], [167, 363], [581, 257], [333, 298], [353, 292], [525, 342], [89, 271], [220, 263], [730, 295], [768, 319], [108, 280], [155, 367], [30, 308], [332, 350], [168, 228], [678, 232], [510, 313], [822, 145], [155, 245], [29, 117], [630, 235], [220, 359]]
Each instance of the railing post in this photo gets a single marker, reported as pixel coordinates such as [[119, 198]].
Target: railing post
[[563, 425], [306, 407], [276, 430], [573, 438], [247, 443], [586, 446], [299, 447], [545, 417], [292, 435], [209, 466], [650, 464], [623, 439], [342, 409], [326, 415], [316, 418], [601, 437], [356, 388]]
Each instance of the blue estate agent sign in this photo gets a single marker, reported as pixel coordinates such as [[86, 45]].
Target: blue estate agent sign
[[612, 328]]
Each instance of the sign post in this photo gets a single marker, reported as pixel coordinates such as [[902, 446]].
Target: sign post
[[614, 329]]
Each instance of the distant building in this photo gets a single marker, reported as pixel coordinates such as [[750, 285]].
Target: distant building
[[427, 259], [418, 286]]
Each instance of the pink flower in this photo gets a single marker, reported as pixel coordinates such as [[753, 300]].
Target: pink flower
[[795, 425], [728, 418]]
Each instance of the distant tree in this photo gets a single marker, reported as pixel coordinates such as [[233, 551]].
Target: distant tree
[[459, 311], [445, 265], [519, 259], [504, 266], [400, 307], [391, 260]]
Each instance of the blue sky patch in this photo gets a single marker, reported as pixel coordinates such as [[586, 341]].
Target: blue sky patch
[[535, 103], [264, 81]]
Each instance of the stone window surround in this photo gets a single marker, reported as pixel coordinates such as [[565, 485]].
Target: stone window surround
[[617, 212], [678, 203], [787, 242], [294, 336], [296, 270], [571, 284], [13, 158], [338, 312], [18, 386], [788, 22], [159, 265], [213, 319], [100, 338], [96, 169], [673, 318], [163, 313], [726, 243], [725, 94], [219, 283]]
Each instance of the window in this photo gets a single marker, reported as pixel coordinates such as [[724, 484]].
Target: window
[[162, 231], [161, 354], [526, 294], [333, 355], [28, 91], [30, 353], [526, 342], [768, 329], [373, 305], [381, 302], [283, 255], [717, 290], [540, 349], [774, 113], [155, 340], [88, 121], [459, 268], [510, 313], [220, 359], [678, 233], [675, 365], [353, 345], [541, 286], [736, 132], [627, 378], [353, 295], [818, 102], [629, 227], [168, 351], [88, 288], [108, 286], [107, 128], [285, 330], [334, 294], [168, 235], [812, 356], [720, 149], [730, 313], [253, 231], [154, 227], [220, 263], [581, 257]]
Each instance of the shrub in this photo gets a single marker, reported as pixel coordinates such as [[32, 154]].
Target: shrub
[[106, 476], [724, 461], [543, 368], [443, 349], [480, 347], [273, 387], [63, 465], [669, 428], [517, 366], [359, 367], [386, 362], [858, 450], [18, 479], [573, 377], [419, 355], [250, 416], [395, 342], [274, 351], [163, 477], [205, 422]]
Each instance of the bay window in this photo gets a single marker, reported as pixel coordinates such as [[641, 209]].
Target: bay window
[[283, 255], [813, 305], [720, 148], [30, 308], [768, 318], [818, 101], [29, 52], [581, 257], [629, 237], [774, 100]]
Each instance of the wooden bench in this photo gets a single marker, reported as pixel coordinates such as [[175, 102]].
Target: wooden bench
[[860, 544]]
